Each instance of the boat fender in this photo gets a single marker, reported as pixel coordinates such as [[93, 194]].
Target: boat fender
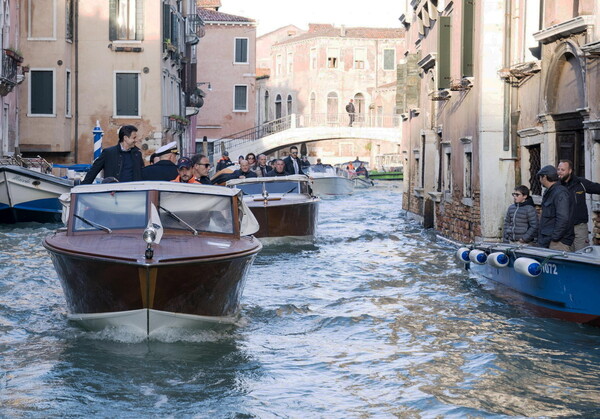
[[477, 256], [462, 255], [498, 260], [527, 266]]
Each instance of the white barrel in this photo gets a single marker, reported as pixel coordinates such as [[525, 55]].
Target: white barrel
[[498, 260], [462, 255], [477, 256], [527, 266]]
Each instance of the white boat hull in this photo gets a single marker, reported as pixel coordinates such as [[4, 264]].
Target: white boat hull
[[332, 185], [148, 321]]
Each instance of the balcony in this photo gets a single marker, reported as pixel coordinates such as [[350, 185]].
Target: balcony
[[194, 29], [8, 78]]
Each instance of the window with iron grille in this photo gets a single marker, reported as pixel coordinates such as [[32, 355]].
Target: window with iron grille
[[534, 167]]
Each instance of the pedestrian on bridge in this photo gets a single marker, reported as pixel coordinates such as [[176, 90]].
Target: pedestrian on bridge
[[351, 111]]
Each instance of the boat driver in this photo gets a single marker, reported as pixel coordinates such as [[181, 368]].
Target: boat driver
[[185, 170]]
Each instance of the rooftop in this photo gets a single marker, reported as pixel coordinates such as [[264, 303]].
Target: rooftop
[[319, 30], [209, 15]]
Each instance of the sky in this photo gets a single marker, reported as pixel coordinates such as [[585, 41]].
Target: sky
[[273, 14]]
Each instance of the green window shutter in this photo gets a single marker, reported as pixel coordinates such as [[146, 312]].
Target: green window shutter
[[467, 38], [174, 29], [139, 20], [401, 88], [112, 20], [41, 95], [413, 81], [240, 98], [388, 59], [444, 78], [241, 50], [127, 87], [166, 22]]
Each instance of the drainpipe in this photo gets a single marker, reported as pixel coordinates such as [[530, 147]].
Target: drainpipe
[[76, 95], [506, 64]]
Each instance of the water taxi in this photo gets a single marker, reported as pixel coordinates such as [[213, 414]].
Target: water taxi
[[329, 180]]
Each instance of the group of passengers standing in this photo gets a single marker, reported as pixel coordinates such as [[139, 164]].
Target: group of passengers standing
[[563, 222], [124, 163]]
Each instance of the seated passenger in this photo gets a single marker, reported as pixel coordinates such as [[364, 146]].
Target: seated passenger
[[362, 170], [521, 221], [243, 172], [279, 169]]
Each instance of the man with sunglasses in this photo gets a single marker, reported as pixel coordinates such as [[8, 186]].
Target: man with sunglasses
[[293, 165], [201, 166]]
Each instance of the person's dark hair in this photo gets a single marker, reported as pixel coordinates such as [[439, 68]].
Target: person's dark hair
[[251, 154], [522, 189], [152, 157], [196, 158], [293, 148], [569, 162], [126, 131]]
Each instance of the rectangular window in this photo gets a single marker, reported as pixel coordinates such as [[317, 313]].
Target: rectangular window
[[127, 94], [69, 20], [443, 59], [68, 94], [241, 50], [41, 19], [333, 57], [360, 56], [290, 62], [468, 193], [41, 92], [126, 20], [240, 100], [534, 167], [313, 58], [466, 57], [389, 59], [278, 65]]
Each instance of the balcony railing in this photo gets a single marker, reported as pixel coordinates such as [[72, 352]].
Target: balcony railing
[[8, 78], [194, 29]]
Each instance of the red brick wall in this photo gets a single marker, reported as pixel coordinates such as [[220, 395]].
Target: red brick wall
[[458, 221]]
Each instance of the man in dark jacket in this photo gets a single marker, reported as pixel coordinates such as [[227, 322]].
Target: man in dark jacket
[[578, 187], [123, 161], [279, 169], [243, 172], [521, 221], [556, 223], [201, 167], [293, 165], [164, 169], [224, 162], [351, 111]]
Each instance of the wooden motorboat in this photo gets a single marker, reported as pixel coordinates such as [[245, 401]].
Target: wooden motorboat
[[283, 205], [549, 283], [153, 254], [329, 180]]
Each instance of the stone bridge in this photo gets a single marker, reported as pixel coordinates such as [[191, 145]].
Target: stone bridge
[[296, 129]]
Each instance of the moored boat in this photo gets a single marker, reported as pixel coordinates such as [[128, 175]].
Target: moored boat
[[392, 175], [550, 283], [329, 180], [283, 206], [153, 254], [27, 194]]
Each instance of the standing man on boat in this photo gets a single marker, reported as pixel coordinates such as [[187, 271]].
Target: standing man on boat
[[185, 170], [165, 168], [578, 187], [122, 161], [556, 223], [293, 165], [201, 166]]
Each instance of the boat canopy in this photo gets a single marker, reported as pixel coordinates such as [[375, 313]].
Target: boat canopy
[[182, 205]]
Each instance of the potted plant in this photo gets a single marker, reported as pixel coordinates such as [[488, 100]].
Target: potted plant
[[14, 53]]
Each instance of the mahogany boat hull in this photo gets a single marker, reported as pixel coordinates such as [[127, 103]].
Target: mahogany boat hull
[[296, 220], [188, 291]]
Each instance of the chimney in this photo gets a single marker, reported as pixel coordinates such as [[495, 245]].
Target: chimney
[[343, 30]]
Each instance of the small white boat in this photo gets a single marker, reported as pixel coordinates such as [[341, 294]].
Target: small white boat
[[329, 180], [30, 194], [361, 182]]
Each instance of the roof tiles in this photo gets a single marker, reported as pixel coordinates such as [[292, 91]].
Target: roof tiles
[[209, 15]]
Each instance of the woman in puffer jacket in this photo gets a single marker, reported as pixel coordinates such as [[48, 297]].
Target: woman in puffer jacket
[[521, 221]]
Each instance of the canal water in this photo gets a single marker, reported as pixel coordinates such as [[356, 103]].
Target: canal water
[[375, 319]]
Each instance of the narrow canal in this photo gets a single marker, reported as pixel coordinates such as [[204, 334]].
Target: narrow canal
[[373, 320]]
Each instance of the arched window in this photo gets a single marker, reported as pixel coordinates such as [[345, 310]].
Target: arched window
[[289, 104], [278, 107], [359, 106], [313, 103], [266, 117], [332, 107]]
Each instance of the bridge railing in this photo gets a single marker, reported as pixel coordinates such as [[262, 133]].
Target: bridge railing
[[361, 120]]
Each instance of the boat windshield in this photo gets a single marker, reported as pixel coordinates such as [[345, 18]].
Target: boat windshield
[[210, 213], [115, 210], [320, 170], [273, 187]]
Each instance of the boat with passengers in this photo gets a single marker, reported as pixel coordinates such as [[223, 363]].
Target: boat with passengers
[[283, 205], [151, 255], [330, 180], [549, 283]]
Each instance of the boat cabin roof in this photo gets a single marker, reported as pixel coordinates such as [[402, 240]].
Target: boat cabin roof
[[156, 186], [290, 178]]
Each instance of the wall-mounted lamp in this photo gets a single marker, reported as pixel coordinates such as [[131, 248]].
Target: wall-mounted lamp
[[204, 82]]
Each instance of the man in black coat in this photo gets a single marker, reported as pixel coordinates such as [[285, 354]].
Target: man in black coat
[[123, 161], [224, 162], [578, 187], [164, 169], [351, 111], [243, 172], [279, 169], [293, 165], [556, 222]]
